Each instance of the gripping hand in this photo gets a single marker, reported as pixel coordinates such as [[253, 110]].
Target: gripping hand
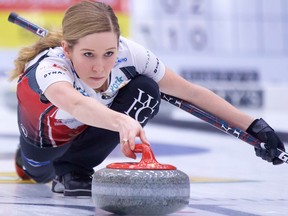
[[262, 131]]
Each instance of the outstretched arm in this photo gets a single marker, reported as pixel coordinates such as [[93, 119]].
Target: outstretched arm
[[91, 112], [206, 100]]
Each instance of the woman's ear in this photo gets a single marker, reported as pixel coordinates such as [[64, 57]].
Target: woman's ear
[[66, 49]]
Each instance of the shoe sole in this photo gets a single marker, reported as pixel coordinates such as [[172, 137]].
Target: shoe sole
[[77, 192]]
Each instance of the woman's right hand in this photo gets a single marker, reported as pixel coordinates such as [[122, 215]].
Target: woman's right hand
[[129, 130]]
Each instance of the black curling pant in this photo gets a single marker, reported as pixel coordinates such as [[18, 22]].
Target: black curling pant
[[140, 99]]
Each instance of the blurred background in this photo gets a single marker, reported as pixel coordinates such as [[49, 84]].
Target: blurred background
[[237, 48]]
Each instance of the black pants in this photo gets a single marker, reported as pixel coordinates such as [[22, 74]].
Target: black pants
[[140, 99]]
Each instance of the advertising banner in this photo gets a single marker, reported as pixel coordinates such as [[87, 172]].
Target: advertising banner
[[48, 14]]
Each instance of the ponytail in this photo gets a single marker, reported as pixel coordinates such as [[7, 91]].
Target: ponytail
[[26, 54]]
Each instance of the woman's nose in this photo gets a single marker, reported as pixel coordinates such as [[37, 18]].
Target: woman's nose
[[98, 66]]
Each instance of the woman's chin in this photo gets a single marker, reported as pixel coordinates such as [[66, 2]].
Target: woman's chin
[[94, 85]]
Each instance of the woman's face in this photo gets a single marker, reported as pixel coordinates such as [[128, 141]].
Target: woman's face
[[93, 57]]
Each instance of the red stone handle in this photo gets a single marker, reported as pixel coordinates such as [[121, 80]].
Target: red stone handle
[[148, 161]]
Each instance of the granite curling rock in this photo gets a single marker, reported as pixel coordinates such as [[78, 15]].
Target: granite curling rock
[[144, 188]]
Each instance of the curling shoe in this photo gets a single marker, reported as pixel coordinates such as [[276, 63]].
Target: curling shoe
[[73, 184]]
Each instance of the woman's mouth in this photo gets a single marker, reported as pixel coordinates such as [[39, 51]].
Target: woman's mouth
[[96, 78]]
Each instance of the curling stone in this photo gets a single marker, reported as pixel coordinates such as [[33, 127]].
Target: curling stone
[[144, 188]]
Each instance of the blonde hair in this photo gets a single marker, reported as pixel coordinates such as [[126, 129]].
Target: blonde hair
[[80, 20]]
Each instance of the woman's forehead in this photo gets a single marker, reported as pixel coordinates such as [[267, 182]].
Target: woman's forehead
[[103, 40]]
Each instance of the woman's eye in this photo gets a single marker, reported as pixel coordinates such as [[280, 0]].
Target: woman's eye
[[88, 54], [108, 54]]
